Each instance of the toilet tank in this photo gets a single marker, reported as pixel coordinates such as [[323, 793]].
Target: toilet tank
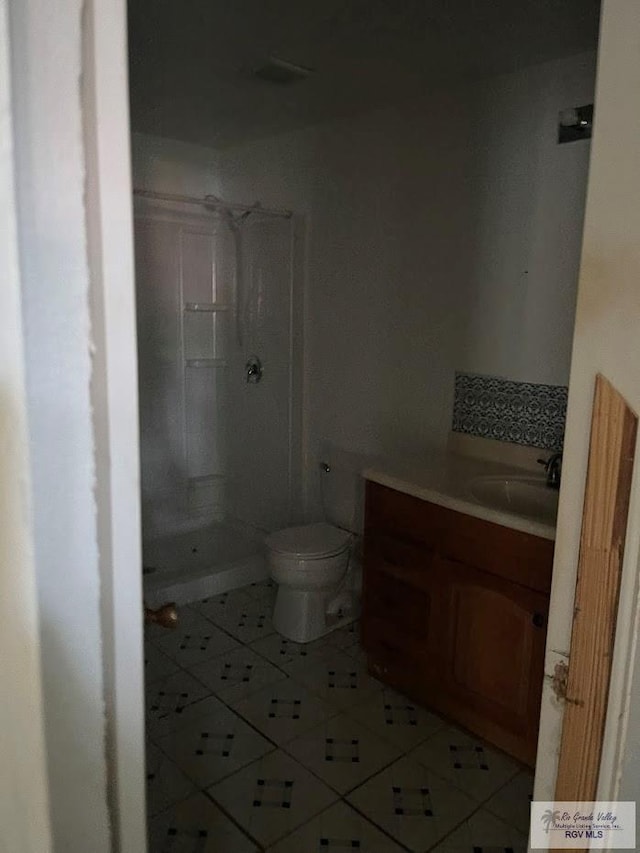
[[342, 488]]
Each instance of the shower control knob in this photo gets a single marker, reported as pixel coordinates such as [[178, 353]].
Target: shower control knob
[[253, 369]]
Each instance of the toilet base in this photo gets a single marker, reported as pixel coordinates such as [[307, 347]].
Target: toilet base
[[302, 615]]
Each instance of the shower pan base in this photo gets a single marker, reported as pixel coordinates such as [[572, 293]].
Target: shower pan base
[[197, 564]]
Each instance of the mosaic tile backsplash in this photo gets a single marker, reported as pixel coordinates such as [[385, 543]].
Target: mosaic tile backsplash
[[519, 412]]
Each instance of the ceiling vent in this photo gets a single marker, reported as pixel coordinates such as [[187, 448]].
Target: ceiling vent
[[280, 72]]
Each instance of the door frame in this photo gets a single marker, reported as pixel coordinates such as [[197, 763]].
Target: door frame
[[24, 795], [73, 190]]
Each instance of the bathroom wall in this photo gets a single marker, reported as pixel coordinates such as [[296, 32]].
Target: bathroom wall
[[441, 235]]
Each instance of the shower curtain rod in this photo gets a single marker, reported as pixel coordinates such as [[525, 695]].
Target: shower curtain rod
[[214, 203]]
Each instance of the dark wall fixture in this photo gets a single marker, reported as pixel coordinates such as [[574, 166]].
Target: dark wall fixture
[[575, 123]]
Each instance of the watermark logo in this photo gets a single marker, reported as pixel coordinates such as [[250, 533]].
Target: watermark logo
[[583, 825]]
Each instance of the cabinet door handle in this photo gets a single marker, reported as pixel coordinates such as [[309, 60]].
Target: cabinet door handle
[[538, 620]]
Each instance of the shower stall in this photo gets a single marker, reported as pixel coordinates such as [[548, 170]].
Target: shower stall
[[215, 317]]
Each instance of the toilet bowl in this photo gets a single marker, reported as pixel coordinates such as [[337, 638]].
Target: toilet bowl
[[312, 566]]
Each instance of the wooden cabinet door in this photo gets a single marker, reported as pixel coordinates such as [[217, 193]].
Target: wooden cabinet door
[[494, 657], [399, 614]]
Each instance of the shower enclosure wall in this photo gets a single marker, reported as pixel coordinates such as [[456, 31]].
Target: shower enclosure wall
[[215, 347]]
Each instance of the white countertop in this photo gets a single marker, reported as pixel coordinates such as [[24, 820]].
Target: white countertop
[[443, 478]]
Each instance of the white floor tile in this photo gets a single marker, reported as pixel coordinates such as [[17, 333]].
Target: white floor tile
[[197, 825], [393, 716], [220, 606], [213, 742], [347, 637], [337, 678], [195, 641], [156, 663], [263, 591], [466, 762], [357, 653], [166, 784], [484, 833], [513, 801], [272, 797], [167, 699], [283, 710], [237, 673], [286, 654], [336, 830], [249, 622], [342, 752], [412, 804]]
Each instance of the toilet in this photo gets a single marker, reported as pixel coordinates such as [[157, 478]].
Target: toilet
[[314, 564]]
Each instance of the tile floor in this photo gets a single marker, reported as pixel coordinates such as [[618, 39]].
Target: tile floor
[[255, 743]]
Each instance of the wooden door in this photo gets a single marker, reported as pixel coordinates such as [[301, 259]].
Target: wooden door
[[604, 525], [494, 657]]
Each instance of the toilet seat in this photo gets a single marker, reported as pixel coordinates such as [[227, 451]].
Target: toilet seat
[[309, 541]]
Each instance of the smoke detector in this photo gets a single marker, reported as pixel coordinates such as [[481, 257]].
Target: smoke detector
[[281, 72]]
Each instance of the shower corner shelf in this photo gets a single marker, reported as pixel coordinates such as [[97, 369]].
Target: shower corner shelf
[[206, 307], [206, 362]]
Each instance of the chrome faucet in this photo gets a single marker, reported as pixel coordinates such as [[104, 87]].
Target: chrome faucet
[[553, 467]]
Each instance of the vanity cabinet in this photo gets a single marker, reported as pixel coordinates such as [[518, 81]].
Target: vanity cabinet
[[455, 613]]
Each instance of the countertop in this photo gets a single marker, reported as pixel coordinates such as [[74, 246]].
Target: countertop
[[443, 478]]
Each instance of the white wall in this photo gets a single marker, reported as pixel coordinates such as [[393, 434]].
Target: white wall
[[74, 192], [607, 335], [24, 806], [526, 232], [421, 221]]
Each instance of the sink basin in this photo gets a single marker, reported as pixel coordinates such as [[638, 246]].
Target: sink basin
[[528, 496]]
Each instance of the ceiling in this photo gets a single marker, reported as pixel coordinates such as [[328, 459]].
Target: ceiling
[[191, 61]]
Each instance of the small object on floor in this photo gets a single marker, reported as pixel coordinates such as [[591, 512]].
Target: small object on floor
[[166, 616]]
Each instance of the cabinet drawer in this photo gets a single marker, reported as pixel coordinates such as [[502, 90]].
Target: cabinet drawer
[[510, 554], [398, 557], [406, 517]]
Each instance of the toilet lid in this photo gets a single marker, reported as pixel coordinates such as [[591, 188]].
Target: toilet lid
[[309, 540]]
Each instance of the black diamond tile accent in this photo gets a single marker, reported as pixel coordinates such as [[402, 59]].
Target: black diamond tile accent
[[412, 802], [285, 709], [237, 672], [255, 620], [176, 705], [220, 744], [287, 648], [198, 836], [191, 641], [340, 679], [468, 757], [400, 715], [347, 751], [273, 793]]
